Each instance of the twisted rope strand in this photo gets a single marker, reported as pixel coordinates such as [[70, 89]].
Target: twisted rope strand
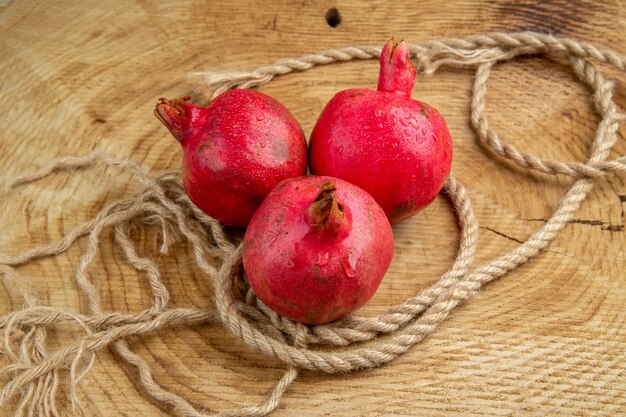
[[162, 202]]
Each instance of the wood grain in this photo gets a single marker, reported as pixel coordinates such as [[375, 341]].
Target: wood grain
[[548, 339]]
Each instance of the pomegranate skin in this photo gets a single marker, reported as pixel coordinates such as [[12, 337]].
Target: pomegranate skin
[[317, 249], [235, 150], [396, 148]]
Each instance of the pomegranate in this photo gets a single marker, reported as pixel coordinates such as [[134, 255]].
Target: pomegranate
[[235, 150], [317, 249], [396, 148]]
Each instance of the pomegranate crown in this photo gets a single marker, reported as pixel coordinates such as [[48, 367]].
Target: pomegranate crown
[[176, 115], [397, 72], [327, 214]]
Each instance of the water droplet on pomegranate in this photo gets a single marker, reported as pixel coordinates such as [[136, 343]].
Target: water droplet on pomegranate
[[379, 113], [352, 260], [323, 259], [290, 264], [347, 266], [260, 117], [380, 125], [263, 144]]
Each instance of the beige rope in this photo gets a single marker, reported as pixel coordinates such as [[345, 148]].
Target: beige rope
[[34, 373]]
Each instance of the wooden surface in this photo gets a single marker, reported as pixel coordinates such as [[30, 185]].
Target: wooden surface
[[548, 339]]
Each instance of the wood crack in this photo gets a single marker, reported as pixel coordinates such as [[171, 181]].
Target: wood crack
[[622, 199], [589, 222], [501, 234], [514, 239]]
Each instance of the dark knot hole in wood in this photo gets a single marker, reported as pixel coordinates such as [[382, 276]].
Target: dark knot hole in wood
[[333, 18]]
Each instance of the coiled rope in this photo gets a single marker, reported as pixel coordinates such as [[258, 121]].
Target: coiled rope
[[35, 372]]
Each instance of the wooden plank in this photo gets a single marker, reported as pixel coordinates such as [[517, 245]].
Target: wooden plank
[[547, 339]]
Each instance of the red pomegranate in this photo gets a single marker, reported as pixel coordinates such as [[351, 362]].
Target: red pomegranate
[[396, 148], [317, 249], [235, 150]]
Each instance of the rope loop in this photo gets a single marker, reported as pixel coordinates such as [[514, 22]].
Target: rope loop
[[35, 373]]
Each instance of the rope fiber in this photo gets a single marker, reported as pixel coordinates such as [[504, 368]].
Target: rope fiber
[[44, 383]]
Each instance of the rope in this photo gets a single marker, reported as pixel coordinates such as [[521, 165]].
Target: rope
[[35, 373]]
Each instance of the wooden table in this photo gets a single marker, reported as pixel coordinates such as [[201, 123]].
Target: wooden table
[[548, 339]]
